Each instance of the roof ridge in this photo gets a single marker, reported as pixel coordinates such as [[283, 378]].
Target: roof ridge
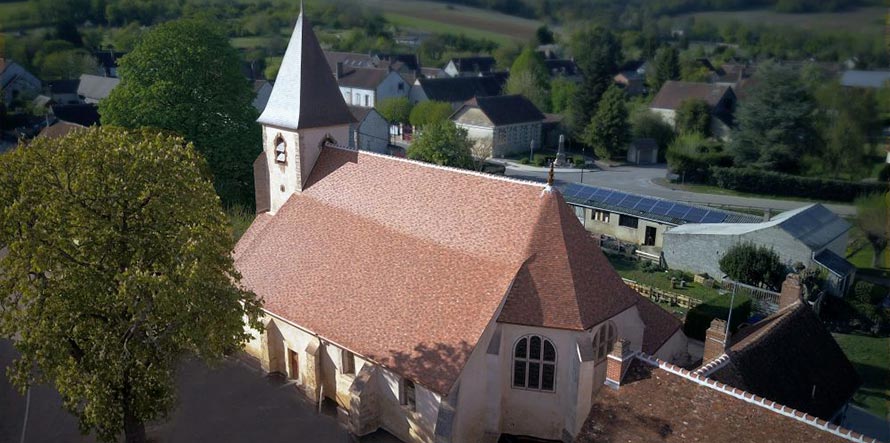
[[767, 324], [518, 181], [753, 399]]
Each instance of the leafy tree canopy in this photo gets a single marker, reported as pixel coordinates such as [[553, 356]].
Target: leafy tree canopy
[[872, 215], [597, 53], [647, 124], [608, 132], [529, 77], [119, 263], [775, 122], [443, 143], [184, 76], [666, 66], [395, 109], [428, 112], [754, 265], [694, 116]]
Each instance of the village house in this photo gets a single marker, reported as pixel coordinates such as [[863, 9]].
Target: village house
[[371, 130], [435, 303], [506, 123], [865, 79], [93, 88], [108, 61], [63, 92], [262, 89], [632, 82], [563, 68], [16, 81], [720, 99], [456, 90], [470, 66], [367, 86], [639, 219], [811, 235], [643, 151], [789, 357]]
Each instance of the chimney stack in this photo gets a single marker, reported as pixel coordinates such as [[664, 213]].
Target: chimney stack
[[716, 338], [792, 291], [339, 72], [617, 362]]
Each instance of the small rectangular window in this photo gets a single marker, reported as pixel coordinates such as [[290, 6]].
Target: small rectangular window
[[347, 362], [367, 97], [519, 374], [601, 216], [628, 221]]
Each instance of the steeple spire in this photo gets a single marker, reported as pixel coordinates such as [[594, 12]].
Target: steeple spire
[[550, 174], [305, 94]]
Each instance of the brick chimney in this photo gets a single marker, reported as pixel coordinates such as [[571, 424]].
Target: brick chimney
[[715, 341], [792, 291], [339, 72], [617, 362]]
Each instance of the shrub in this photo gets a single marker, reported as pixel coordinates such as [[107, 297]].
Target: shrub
[[699, 318], [868, 293], [579, 162], [523, 160], [775, 183], [540, 160], [754, 265], [884, 175], [692, 156]]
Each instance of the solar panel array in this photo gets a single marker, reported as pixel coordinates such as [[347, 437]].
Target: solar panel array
[[641, 205]]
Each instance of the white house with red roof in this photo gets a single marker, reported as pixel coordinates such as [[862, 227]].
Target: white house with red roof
[[435, 303]]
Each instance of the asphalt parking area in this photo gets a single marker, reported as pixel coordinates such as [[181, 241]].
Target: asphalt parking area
[[232, 402]]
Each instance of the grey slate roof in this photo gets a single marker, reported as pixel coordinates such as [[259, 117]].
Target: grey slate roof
[[96, 87], [834, 263], [363, 78], [865, 79], [813, 225], [458, 89], [507, 109], [474, 64], [305, 94]]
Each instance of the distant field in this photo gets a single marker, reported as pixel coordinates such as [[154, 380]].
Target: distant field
[[439, 17], [862, 20], [15, 14]]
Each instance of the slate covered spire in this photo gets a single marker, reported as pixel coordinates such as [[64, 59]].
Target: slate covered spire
[[305, 94]]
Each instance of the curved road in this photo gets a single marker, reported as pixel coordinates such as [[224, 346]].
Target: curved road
[[639, 180]]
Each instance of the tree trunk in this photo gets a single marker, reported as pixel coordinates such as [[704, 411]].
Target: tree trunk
[[134, 429]]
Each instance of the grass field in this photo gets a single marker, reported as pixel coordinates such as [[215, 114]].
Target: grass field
[[860, 253], [861, 20], [427, 16], [15, 14], [871, 356]]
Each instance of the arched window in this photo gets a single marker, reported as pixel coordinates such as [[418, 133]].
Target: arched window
[[604, 340], [280, 150], [534, 363]]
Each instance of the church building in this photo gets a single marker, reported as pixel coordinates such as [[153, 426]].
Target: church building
[[438, 304]]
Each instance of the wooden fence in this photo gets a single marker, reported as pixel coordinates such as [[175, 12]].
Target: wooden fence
[[661, 296]]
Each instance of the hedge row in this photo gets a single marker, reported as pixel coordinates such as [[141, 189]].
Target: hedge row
[[774, 183]]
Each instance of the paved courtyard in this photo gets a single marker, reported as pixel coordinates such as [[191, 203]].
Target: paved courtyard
[[233, 402]]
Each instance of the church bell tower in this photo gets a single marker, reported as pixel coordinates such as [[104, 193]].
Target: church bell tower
[[304, 109]]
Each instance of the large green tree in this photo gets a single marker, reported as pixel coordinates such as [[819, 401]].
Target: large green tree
[[694, 116], [184, 76], [775, 122], [529, 77], [443, 143], [429, 112], [666, 66], [597, 53], [608, 132], [647, 124], [754, 265], [873, 218], [119, 263], [395, 109]]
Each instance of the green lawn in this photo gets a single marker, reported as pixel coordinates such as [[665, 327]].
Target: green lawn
[[630, 269], [871, 356], [860, 253], [15, 14]]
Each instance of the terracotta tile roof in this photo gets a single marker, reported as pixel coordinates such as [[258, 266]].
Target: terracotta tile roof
[[566, 282], [784, 356], [58, 129], [407, 263], [656, 405], [673, 93]]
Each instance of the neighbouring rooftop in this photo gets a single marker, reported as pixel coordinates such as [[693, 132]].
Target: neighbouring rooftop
[[668, 211]]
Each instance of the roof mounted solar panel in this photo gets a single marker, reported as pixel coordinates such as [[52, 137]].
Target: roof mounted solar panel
[[630, 201], [678, 211], [645, 204], [614, 198], [695, 215], [714, 217], [661, 207]]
